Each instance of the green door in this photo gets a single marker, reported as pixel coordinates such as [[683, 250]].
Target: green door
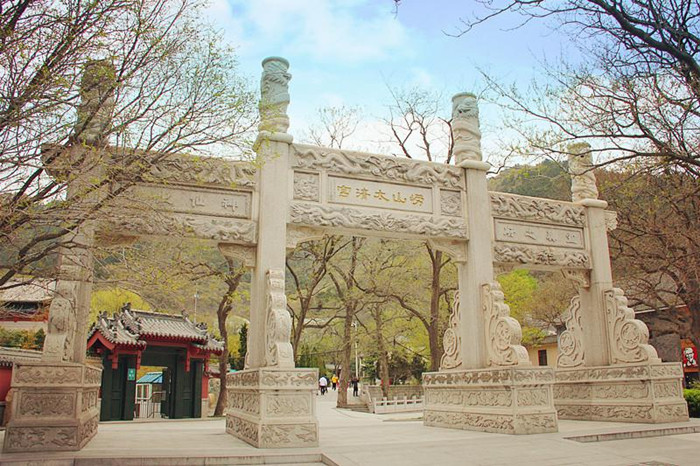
[[118, 390]]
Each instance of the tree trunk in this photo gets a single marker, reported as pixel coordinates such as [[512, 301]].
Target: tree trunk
[[383, 356], [346, 357], [434, 328], [222, 314]]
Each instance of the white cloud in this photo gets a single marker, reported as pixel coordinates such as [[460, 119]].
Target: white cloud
[[330, 31]]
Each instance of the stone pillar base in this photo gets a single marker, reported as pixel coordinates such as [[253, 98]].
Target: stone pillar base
[[504, 400], [644, 392], [54, 406], [273, 408]]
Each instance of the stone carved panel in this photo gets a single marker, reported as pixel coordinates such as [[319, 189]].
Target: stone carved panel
[[375, 194], [242, 429], [377, 166], [196, 201], [248, 402], [188, 169], [533, 397], [193, 226], [489, 422], [289, 434], [521, 375], [279, 323], [357, 219], [628, 336], [667, 389], [451, 340], [503, 333], [87, 429], [537, 210], [572, 391], [620, 412], [46, 375], [674, 412], [41, 438], [451, 203], [571, 351], [247, 378], [541, 235], [306, 186], [479, 397], [535, 255], [635, 390], [288, 405], [279, 379], [46, 404], [93, 375], [89, 400]]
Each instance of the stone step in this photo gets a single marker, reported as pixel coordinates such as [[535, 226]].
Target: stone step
[[635, 433], [315, 459]]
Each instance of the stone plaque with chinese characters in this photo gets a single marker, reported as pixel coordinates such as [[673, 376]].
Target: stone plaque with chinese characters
[[383, 195], [234, 204], [536, 234]]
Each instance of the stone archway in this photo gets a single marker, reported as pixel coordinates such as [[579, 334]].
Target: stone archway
[[301, 192]]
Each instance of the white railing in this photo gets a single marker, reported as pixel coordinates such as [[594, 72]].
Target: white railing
[[397, 405]]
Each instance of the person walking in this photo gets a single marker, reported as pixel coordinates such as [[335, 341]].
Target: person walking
[[354, 382], [323, 384], [334, 381]]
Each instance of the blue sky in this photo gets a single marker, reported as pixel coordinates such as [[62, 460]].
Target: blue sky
[[347, 52]]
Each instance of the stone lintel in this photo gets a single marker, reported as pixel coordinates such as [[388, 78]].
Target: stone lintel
[[649, 393], [595, 203], [503, 400], [54, 407], [273, 408]]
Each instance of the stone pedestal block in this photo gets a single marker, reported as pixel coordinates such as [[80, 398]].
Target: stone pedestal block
[[273, 408], [54, 406], [650, 393], [504, 400]]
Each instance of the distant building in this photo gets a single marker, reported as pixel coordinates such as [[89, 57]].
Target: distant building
[[545, 352], [25, 305]]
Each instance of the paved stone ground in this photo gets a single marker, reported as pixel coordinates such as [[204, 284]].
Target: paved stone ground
[[351, 438]]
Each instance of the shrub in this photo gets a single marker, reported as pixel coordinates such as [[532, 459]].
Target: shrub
[[692, 396]]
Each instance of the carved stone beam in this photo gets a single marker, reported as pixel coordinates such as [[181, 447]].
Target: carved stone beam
[[500, 269], [581, 278], [246, 254], [456, 249], [299, 234]]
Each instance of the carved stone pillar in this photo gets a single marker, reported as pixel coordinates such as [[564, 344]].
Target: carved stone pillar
[[606, 369], [55, 400], [485, 382], [270, 403], [273, 408], [54, 406]]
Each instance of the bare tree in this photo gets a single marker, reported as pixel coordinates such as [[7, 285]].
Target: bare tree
[[143, 79]]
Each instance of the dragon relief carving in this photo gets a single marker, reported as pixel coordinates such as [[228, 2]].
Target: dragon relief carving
[[533, 255], [189, 169], [629, 337], [583, 185], [571, 352], [541, 210], [345, 217], [465, 127], [503, 333], [274, 95], [378, 166], [451, 340], [279, 323]]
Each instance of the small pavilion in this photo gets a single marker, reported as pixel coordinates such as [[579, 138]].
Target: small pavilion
[[132, 338]]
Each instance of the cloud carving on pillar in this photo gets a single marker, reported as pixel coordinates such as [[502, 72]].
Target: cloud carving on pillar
[[503, 333], [629, 337], [274, 90], [583, 184], [465, 128], [279, 323], [571, 352]]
